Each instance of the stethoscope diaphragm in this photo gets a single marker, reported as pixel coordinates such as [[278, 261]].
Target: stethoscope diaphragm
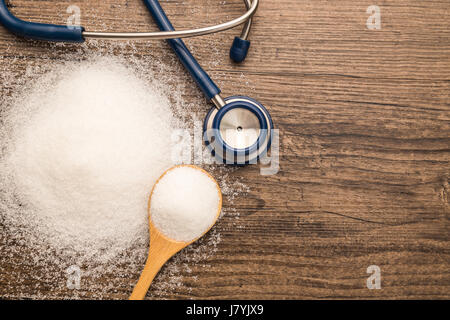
[[240, 132]]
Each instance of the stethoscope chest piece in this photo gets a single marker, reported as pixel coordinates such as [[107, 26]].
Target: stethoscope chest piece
[[240, 132]]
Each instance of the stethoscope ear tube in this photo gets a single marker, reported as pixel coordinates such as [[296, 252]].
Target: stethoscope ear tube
[[52, 32], [39, 31]]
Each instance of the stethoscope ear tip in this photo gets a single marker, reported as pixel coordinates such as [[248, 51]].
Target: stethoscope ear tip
[[239, 49]]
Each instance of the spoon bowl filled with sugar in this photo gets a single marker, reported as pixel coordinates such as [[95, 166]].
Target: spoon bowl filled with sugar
[[184, 205]]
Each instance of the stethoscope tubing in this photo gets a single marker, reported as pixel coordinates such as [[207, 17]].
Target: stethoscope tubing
[[209, 88]]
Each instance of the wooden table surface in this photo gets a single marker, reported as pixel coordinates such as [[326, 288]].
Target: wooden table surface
[[364, 120]]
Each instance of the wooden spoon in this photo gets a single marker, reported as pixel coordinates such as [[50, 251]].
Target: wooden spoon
[[163, 248]]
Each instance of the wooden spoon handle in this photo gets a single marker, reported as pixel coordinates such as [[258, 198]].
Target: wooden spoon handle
[[150, 271], [161, 250]]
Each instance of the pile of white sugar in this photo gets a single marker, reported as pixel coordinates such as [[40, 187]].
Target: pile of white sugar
[[81, 151], [31, 263], [185, 203]]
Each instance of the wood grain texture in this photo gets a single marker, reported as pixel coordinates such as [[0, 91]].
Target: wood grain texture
[[364, 120]]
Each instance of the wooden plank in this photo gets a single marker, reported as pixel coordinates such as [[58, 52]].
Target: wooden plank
[[364, 122]]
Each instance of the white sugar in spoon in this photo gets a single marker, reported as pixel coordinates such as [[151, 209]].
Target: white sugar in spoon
[[176, 187]]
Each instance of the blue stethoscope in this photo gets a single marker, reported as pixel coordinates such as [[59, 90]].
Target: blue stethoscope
[[237, 130]]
